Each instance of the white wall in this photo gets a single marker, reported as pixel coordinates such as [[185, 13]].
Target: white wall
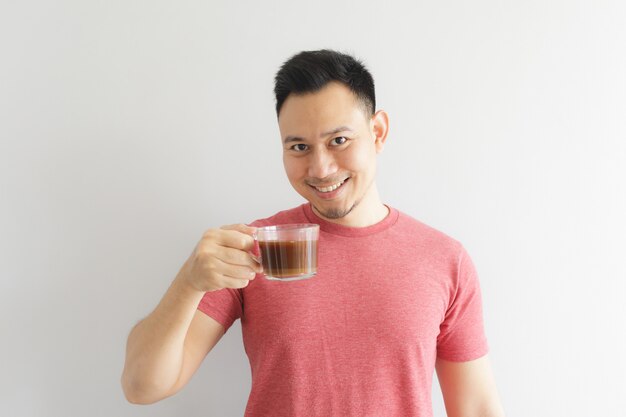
[[128, 128]]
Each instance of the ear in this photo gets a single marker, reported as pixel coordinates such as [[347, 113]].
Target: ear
[[380, 128]]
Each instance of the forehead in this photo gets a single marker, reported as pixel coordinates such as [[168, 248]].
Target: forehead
[[332, 106]]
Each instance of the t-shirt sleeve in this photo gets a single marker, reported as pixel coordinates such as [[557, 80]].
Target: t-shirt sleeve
[[225, 305], [462, 335]]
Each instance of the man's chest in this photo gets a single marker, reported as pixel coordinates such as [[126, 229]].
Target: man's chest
[[353, 302]]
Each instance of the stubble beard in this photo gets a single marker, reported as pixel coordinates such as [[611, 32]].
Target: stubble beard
[[338, 213]]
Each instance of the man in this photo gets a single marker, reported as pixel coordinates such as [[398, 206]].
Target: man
[[393, 298]]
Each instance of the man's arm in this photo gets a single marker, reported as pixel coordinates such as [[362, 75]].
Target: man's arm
[[468, 388], [166, 348]]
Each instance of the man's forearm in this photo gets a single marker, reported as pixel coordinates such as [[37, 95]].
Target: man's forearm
[[155, 348], [493, 409]]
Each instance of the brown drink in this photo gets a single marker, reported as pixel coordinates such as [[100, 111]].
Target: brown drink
[[288, 251], [289, 259]]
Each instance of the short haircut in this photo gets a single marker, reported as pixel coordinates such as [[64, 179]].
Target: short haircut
[[310, 71]]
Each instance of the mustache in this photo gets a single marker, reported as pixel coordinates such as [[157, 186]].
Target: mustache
[[331, 180]]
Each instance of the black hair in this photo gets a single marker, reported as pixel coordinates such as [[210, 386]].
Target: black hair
[[310, 71]]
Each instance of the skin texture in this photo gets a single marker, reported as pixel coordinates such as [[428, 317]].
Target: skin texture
[[327, 137]]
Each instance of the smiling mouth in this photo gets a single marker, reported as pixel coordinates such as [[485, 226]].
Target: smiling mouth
[[329, 188]]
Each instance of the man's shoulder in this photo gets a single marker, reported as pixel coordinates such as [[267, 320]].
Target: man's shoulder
[[292, 215], [417, 230]]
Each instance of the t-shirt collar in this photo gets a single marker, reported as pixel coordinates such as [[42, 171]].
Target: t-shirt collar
[[341, 230]]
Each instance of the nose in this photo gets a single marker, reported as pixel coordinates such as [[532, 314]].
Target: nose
[[322, 164]]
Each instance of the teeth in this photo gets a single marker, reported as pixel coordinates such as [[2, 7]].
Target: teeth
[[331, 188]]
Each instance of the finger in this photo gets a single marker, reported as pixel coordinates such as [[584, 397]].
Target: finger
[[230, 282], [235, 239], [235, 271], [240, 227], [238, 257]]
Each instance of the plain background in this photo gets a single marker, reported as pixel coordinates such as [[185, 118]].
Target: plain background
[[129, 128]]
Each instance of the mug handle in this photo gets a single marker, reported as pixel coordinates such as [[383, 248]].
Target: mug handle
[[256, 252]]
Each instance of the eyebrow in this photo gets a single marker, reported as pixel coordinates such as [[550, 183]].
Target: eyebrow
[[330, 132]]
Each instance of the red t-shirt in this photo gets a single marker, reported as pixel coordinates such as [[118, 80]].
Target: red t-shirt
[[361, 337]]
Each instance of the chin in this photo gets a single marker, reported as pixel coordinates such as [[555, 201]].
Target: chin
[[333, 211], [335, 214]]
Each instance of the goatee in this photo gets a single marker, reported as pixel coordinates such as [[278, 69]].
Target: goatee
[[334, 213]]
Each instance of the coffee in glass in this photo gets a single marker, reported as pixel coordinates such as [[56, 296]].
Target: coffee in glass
[[288, 252]]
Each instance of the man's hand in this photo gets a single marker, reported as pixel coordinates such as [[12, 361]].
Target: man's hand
[[222, 259]]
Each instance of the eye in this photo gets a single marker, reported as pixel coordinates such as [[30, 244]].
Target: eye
[[340, 140], [299, 147]]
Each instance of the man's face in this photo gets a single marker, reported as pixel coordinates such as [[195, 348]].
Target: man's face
[[329, 150]]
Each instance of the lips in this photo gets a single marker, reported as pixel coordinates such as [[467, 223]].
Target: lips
[[329, 191], [330, 187]]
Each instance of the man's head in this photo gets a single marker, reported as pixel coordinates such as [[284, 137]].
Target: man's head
[[331, 134], [310, 71]]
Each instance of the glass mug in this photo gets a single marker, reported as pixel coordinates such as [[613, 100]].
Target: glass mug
[[288, 251]]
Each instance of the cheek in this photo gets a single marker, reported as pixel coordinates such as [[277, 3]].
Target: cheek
[[292, 169], [360, 162]]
